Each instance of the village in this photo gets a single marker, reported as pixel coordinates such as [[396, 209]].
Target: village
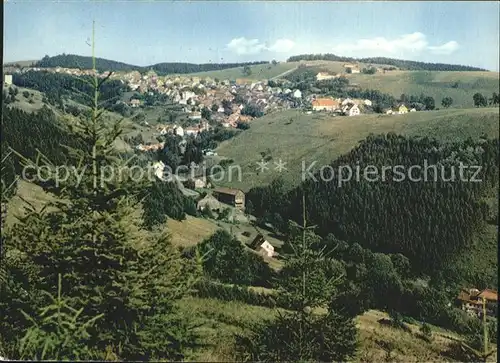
[[229, 102]]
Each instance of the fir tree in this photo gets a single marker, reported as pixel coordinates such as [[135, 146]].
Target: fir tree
[[91, 235], [57, 332], [305, 333]]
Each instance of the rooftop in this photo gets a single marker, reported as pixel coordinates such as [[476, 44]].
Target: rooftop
[[229, 191]]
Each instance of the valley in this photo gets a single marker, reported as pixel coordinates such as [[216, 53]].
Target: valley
[[179, 195]]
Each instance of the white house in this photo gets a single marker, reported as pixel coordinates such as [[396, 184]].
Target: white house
[[321, 76], [402, 110], [179, 131], [413, 110], [267, 248], [7, 80], [159, 168], [297, 94], [186, 95], [389, 112], [200, 182], [193, 130], [353, 110], [220, 109], [195, 116], [367, 102], [261, 245]]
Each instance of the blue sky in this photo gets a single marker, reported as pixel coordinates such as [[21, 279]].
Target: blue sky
[[148, 32]]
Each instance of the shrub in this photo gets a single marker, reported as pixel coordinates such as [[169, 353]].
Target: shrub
[[426, 332]]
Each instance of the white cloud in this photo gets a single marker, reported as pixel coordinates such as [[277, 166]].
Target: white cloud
[[244, 46], [402, 45], [282, 46], [446, 48]]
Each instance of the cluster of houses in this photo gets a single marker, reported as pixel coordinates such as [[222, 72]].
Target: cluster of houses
[[151, 147], [352, 107], [196, 93], [347, 106], [235, 198], [165, 129], [401, 110], [474, 301]]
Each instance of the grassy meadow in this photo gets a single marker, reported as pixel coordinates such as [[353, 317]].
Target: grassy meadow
[[460, 86], [294, 136], [220, 320], [259, 72]]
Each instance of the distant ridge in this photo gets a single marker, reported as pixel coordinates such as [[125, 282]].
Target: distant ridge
[[78, 61], [399, 63]]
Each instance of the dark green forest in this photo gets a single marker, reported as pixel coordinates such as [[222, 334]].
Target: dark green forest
[[429, 222], [58, 87], [103, 65], [28, 132], [401, 64]]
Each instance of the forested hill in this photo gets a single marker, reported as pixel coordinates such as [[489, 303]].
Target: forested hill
[[77, 61], [429, 222], [399, 63]]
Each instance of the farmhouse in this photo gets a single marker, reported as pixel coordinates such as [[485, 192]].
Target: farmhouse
[[261, 245], [234, 197], [351, 110], [192, 130], [325, 104], [201, 183], [135, 102], [471, 301], [402, 109], [178, 130], [209, 202], [195, 116], [7, 80], [321, 76], [352, 67]]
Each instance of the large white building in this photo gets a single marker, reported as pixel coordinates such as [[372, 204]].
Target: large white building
[[7, 80], [321, 76]]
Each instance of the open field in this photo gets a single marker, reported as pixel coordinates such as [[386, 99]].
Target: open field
[[295, 137], [221, 320], [190, 231], [460, 86], [259, 72], [267, 71]]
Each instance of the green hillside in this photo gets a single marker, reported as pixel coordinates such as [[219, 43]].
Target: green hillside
[[460, 86], [294, 137], [220, 320], [391, 62], [84, 62], [259, 72]]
